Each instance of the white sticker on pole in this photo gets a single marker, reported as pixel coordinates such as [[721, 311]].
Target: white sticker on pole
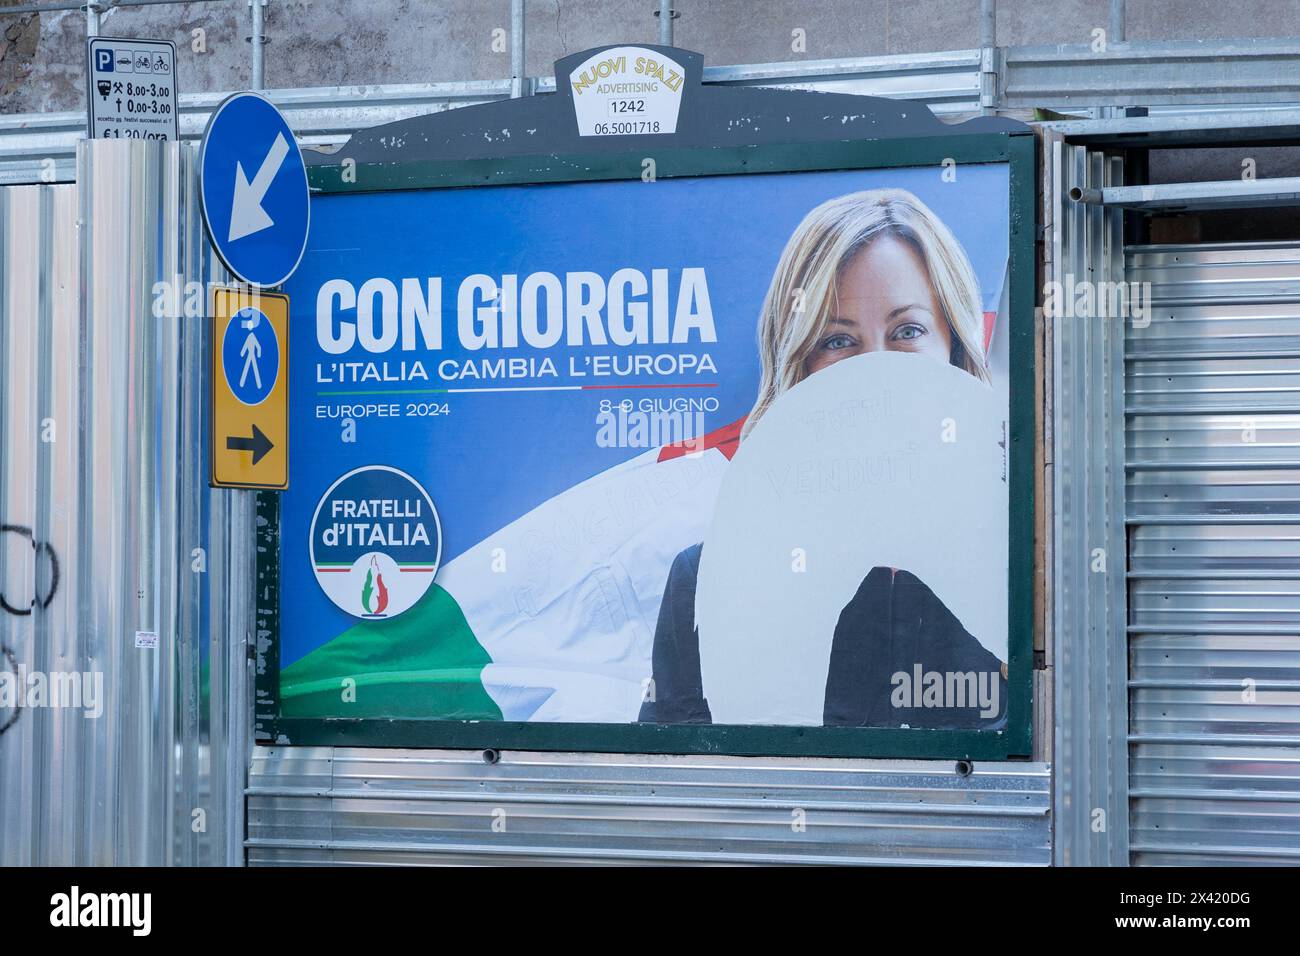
[[627, 91]]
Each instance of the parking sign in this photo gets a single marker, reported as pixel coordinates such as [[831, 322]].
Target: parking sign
[[131, 89]]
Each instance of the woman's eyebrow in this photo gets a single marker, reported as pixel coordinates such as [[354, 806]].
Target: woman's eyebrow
[[911, 307], [840, 320]]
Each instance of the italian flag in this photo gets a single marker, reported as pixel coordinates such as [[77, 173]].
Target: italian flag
[[551, 618]]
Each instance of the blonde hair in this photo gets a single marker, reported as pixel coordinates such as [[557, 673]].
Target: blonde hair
[[801, 299]]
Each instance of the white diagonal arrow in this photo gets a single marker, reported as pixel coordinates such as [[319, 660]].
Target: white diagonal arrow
[[246, 214]]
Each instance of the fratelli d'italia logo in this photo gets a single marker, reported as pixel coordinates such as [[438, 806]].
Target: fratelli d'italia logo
[[376, 541]]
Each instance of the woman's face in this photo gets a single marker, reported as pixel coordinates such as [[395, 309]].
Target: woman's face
[[885, 304]]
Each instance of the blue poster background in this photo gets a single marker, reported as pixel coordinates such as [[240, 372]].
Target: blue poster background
[[494, 456]]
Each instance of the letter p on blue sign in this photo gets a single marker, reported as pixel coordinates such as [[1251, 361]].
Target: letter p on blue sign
[[103, 61]]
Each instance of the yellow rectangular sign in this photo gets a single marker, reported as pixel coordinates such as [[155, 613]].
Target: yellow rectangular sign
[[249, 420]]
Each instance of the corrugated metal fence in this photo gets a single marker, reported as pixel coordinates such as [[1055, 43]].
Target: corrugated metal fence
[[1213, 410], [112, 751], [351, 806]]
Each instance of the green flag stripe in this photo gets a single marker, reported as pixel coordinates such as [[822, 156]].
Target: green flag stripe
[[424, 663]]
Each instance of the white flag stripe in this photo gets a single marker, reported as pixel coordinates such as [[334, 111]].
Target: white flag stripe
[[565, 598]]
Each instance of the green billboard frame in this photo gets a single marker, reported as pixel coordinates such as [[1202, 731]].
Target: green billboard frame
[[1017, 150]]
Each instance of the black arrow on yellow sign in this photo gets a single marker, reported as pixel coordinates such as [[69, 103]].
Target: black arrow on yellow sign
[[259, 444]]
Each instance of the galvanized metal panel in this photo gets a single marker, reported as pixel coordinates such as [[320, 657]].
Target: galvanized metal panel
[[1195, 72], [1214, 525], [1088, 637], [31, 239], [1181, 126], [946, 82], [350, 806], [101, 457]]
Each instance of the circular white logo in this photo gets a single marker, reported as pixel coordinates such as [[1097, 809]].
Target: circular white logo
[[376, 541]]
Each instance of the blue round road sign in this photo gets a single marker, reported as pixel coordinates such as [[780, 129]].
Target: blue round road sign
[[254, 190]]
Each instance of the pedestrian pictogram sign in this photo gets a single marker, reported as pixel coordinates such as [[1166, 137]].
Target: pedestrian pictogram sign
[[250, 389]]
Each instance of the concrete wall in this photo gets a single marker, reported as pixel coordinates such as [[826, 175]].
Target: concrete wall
[[329, 42]]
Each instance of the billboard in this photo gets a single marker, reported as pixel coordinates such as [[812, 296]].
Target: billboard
[[706, 451]]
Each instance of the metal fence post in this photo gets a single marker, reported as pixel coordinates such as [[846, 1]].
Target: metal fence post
[[666, 15], [1117, 21], [258, 41], [517, 81], [988, 57]]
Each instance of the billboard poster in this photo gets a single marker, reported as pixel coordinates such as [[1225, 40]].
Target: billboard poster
[[713, 450]]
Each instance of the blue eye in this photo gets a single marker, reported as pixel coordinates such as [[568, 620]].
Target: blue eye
[[836, 342], [907, 332]]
